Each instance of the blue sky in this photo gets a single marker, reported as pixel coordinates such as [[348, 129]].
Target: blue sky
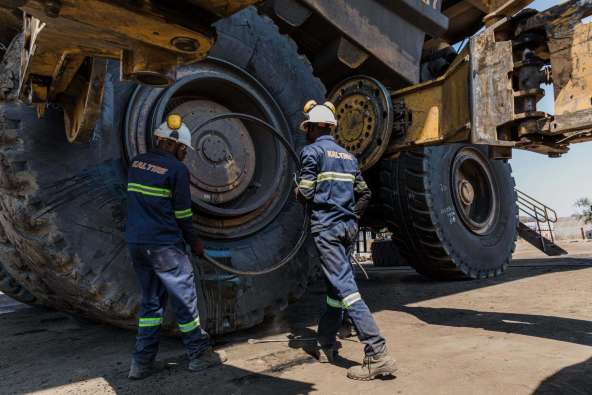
[[556, 182]]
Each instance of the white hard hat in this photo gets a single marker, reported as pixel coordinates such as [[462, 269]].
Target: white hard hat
[[318, 113], [174, 129]]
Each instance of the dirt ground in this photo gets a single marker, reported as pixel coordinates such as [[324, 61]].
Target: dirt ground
[[528, 332]]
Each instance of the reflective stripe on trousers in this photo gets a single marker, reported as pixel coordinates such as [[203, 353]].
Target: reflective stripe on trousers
[[165, 272], [335, 246]]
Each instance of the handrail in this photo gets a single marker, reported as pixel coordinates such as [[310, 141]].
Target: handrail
[[541, 213], [535, 205]]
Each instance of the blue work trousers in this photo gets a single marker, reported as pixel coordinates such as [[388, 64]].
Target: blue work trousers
[[166, 272], [335, 246]]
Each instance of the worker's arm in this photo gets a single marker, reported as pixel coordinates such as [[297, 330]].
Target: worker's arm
[[307, 179], [363, 194], [182, 210]]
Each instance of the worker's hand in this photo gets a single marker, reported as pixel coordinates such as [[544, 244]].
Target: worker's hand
[[198, 247], [299, 196]]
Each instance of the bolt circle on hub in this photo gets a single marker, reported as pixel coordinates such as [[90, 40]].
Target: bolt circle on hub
[[240, 174], [364, 115], [223, 163]]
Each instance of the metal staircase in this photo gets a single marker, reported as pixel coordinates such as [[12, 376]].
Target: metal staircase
[[541, 234]]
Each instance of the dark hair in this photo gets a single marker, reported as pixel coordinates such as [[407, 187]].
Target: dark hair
[[322, 130]]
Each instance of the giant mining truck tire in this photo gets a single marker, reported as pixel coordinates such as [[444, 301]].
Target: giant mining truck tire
[[10, 287], [444, 227], [63, 206]]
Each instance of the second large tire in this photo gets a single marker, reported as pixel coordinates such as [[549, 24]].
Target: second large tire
[[417, 193]]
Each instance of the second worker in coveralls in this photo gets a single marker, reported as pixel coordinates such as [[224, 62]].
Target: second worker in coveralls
[[160, 222], [329, 180]]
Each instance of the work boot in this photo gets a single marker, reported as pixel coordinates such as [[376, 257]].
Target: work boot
[[327, 354], [380, 364], [139, 371], [207, 359]]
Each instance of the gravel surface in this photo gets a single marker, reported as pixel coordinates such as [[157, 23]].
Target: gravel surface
[[527, 332]]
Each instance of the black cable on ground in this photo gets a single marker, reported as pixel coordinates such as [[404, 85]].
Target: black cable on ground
[[286, 143]]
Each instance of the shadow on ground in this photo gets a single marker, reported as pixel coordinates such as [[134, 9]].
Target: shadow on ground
[[396, 289], [572, 380], [42, 349]]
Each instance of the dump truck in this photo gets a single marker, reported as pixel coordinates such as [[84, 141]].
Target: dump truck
[[431, 96]]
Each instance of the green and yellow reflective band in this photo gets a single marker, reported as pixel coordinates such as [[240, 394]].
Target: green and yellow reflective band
[[361, 186], [351, 299], [189, 326], [149, 321], [335, 176], [183, 213], [306, 184], [148, 190], [334, 303]]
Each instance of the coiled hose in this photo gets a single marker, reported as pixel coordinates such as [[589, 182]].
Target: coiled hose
[[294, 156]]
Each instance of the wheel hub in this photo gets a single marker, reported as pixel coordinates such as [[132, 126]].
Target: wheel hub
[[214, 148], [475, 193], [467, 192], [239, 173], [223, 162], [364, 115], [356, 122]]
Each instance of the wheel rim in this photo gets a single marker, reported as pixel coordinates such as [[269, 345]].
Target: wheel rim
[[474, 190], [239, 173]]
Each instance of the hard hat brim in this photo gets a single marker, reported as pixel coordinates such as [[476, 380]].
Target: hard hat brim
[[304, 123], [158, 133]]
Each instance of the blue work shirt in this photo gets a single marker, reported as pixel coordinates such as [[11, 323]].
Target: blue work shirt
[[159, 200], [330, 178]]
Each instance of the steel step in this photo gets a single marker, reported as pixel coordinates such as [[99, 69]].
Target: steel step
[[539, 241]]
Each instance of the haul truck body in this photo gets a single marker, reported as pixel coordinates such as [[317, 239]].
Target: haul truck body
[[84, 83]]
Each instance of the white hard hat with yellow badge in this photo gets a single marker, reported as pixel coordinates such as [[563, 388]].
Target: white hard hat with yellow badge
[[174, 129], [318, 114]]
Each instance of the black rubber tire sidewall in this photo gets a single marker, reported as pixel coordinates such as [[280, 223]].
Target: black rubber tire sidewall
[[474, 254], [416, 196]]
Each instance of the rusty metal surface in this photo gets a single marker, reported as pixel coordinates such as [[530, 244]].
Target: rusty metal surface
[[149, 65], [571, 61], [492, 96], [500, 9], [439, 109], [223, 162], [82, 111], [365, 115], [151, 41], [111, 25], [378, 29]]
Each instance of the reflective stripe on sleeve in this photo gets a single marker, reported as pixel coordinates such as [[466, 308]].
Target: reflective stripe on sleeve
[[334, 303], [351, 299], [189, 326], [148, 190], [149, 321], [179, 214], [335, 176], [306, 184]]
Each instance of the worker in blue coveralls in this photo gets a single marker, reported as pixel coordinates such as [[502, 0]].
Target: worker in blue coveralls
[[159, 223], [330, 180]]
